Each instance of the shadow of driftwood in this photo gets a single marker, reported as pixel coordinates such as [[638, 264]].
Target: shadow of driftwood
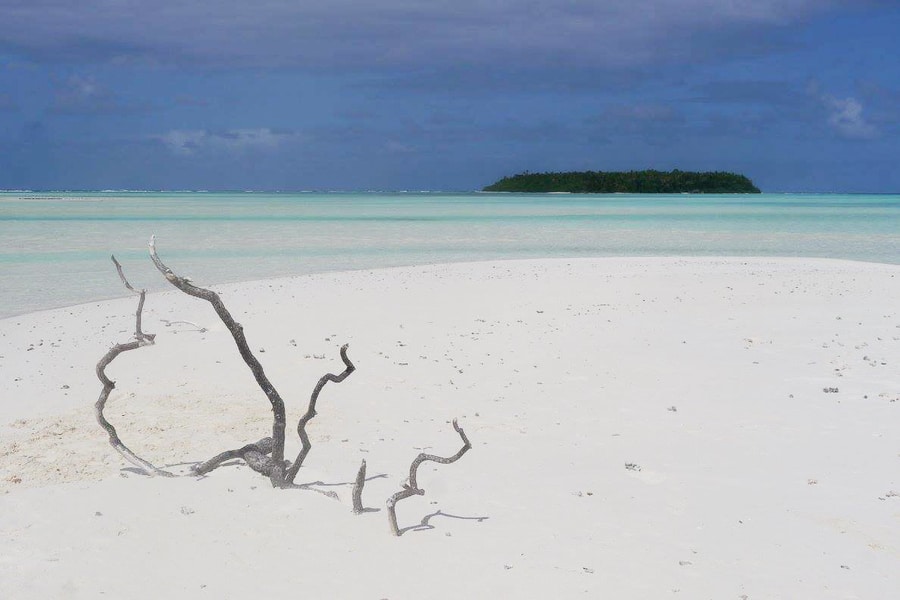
[[133, 471], [234, 462], [425, 525], [314, 485], [237, 462], [197, 328], [324, 484], [190, 468]]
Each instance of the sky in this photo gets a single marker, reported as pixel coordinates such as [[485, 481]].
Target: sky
[[799, 95]]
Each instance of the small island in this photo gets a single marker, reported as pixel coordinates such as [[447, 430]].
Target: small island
[[628, 182]]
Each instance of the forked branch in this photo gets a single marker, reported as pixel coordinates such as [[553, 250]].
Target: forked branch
[[276, 474], [311, 412], [411, 486], [140, 340], [267, 455]]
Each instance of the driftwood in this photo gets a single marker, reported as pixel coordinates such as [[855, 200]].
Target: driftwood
[[140, 340], [255, 455], [411, 485], [237, 332], [311, 412], [267, 455], [358, 489]]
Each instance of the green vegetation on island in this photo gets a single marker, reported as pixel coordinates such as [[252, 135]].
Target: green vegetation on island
[[629, 182]]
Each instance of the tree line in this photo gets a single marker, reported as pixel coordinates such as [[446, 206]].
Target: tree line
[[632, 182]]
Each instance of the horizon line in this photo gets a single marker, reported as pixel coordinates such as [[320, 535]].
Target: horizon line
[[400, 191]]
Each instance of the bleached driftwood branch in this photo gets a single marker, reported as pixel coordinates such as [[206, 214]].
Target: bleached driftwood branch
[[140, 340], [255, 455], [358, 488], [311, 412], [267, 455], [411, 486], [276, 474]]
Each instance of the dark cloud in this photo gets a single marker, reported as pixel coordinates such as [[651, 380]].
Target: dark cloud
[[367, 34], [402, 94]]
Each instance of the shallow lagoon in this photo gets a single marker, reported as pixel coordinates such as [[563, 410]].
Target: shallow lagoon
[[54, 248]]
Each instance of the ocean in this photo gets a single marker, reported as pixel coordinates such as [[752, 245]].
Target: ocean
[[55, 247]]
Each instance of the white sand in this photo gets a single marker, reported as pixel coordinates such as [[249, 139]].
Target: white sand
[[707, 375]]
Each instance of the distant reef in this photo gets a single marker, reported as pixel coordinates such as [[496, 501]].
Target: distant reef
[[629, 182]]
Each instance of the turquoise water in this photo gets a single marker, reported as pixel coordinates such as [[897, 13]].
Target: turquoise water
[[54, 248]]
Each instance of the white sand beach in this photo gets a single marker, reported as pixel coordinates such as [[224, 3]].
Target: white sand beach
[[641, 428]]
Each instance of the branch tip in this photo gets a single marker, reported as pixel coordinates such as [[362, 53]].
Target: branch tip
[[140, 339], [411, 486], [291, 473]]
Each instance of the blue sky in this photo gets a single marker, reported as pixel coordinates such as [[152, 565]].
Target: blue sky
[[800, 95]]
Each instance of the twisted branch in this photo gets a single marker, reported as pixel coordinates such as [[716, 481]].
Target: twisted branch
[[411, 486], [255, 455], [276, 474], [311, 412], [140, 339]]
